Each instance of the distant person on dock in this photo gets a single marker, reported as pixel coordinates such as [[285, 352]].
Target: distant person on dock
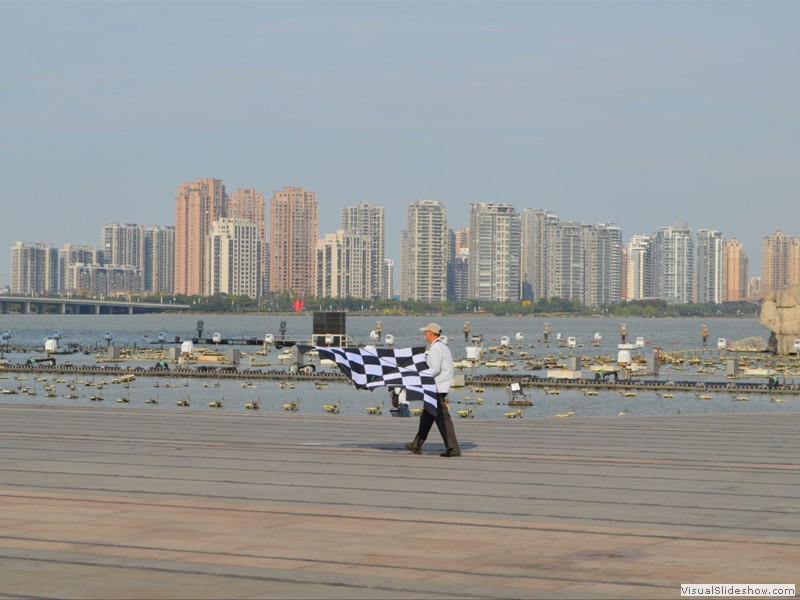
[[399, 402], [440, 362]]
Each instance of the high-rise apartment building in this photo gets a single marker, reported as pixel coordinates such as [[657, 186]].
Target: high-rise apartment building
[[640, 271], [459, 276], [565, 272], [624, 272], [105, 281], [494, 252], [293, 239], [673, 264], [248, 204], [533, 257], [197, 206], [780, 262], [34, 269], [234, 258], [123, 244], [159, 259], [736, 272], [710, 267], [460, 240], [754, 288], [424, 252], [387, 274], [368, 221], [72, 257], [344, 265], [149, 251], [602, 252]]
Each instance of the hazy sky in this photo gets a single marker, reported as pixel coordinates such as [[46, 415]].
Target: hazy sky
[[638, 113]]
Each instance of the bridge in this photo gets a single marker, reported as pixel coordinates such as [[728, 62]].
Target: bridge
[[73, 306]]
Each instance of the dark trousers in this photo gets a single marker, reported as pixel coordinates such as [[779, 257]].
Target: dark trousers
[[443, 422]]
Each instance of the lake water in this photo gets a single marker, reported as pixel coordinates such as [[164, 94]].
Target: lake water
[[141, 330]]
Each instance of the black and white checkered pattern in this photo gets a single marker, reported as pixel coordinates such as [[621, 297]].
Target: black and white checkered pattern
[[370, 368]]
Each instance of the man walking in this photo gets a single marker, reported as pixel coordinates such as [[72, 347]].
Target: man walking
[[440, 361]]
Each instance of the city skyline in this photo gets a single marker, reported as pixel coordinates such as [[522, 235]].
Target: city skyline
[[638, 114], [502, 255], [118, 241]]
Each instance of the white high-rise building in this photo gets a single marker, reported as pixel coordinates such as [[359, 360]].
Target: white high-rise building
[[150, 251], [72, 257], [533, 258], [123, 244], [673, 264], [34, 269], [368, 221], [248, 204], [710, 267], [494, 252], [459, 270], [424, 252], [234, 258], [640, 272], [566, 261], [344, 265], [159, 259], [387, 275], [104, 281], [603, 253]]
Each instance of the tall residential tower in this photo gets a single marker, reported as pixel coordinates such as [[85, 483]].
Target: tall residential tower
[[736, 272], [368, 221], [424, 252], [494, 252], [293, 239], [197, 206], [780, 262]]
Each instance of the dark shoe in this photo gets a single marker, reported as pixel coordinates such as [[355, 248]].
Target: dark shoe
[[451, 452], [412, 448]]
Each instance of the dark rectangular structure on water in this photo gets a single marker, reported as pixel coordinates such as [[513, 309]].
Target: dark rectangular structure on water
[[329, 329]]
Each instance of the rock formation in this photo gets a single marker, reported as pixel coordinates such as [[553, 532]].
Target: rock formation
[[780, 313], [750, 344]]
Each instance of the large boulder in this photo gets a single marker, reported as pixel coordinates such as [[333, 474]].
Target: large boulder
[[780, 313], [750, 344]]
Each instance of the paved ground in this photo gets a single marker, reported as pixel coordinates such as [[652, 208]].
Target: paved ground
[[132, 502]]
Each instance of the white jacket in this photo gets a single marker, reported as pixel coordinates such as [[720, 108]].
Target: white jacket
[[440, 361]]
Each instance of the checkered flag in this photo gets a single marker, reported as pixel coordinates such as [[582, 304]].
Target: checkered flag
[[370, 368]]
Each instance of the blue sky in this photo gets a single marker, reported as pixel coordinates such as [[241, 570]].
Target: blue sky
[[638, 113]]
